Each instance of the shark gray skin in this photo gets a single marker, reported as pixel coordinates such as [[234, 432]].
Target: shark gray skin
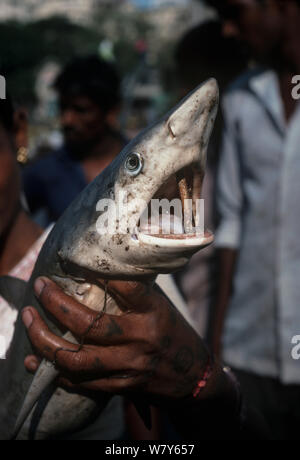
[[76, 256]]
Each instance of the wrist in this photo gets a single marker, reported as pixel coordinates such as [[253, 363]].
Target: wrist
[[217, 391], [219, 386]]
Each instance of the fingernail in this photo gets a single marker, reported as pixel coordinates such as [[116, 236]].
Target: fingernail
[[34, 363], [27, 318], [39, 286], [31, 363]]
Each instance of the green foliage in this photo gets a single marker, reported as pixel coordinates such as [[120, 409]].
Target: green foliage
[[25, 47], [124, 29]]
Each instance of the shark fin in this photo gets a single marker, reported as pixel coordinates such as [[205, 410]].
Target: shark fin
[[44, 376], [13, 290], [144, 411]]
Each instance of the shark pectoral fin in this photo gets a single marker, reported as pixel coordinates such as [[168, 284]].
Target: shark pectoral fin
[[44, 376], [13, 290], [144, 411]]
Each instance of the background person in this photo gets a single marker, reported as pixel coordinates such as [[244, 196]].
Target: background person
[[89, 100], [197, 62], [257, 304]]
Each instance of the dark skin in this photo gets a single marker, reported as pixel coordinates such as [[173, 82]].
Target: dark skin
[[88, 133], [150, 352], [271, 31], [17, 232], [151, 345]]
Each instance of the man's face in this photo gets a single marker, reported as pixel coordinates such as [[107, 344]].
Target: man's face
[[83, 122], [9, 181], [256, 24]]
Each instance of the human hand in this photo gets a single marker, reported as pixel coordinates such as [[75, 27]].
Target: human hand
[[150, 350]]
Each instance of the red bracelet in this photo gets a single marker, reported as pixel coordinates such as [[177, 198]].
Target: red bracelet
[[202, 383]]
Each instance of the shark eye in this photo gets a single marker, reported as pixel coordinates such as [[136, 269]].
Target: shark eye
[[134, 164]]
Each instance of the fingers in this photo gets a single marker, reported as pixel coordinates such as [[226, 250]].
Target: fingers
[[112, 384], [41, 337], [32, 363], [88, 361], [85, 323], [135, 295], [65, 354], [116, 385], [139, 297], [66, 310]]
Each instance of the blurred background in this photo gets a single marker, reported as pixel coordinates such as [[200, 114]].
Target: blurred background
[[38, 38], [137, 58], [131, 60]]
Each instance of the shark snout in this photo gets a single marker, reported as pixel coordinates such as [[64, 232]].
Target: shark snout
[[182, 161], [192, 120]]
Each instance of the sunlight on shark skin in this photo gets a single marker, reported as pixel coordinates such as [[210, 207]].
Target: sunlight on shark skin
[[77, 257]]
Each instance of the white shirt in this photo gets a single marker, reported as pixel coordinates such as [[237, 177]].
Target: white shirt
[[23, 270], [259, 203]]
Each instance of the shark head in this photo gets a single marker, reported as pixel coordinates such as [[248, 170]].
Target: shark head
[[112, 231], [139, 217]]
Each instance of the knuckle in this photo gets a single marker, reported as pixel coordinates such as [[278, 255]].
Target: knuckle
[[76, 362], [90, 321], [37, 332], [137, 288], [47, 293], [138, 362], [134, 290], [153, 329], [51, 299]]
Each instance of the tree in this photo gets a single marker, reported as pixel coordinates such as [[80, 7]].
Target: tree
[[25, 47]]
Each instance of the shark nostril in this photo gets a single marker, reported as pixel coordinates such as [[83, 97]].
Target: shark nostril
[[171, 131]]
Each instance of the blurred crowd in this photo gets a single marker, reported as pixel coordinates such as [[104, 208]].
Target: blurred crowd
[[242, 292]]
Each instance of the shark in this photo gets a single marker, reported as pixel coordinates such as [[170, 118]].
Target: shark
[[166, 161]]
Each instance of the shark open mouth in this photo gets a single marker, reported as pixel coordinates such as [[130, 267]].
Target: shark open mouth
[[175, 214]]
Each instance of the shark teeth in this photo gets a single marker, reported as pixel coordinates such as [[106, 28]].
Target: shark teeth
[[185, 194], [163, 224], [185, 185]]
